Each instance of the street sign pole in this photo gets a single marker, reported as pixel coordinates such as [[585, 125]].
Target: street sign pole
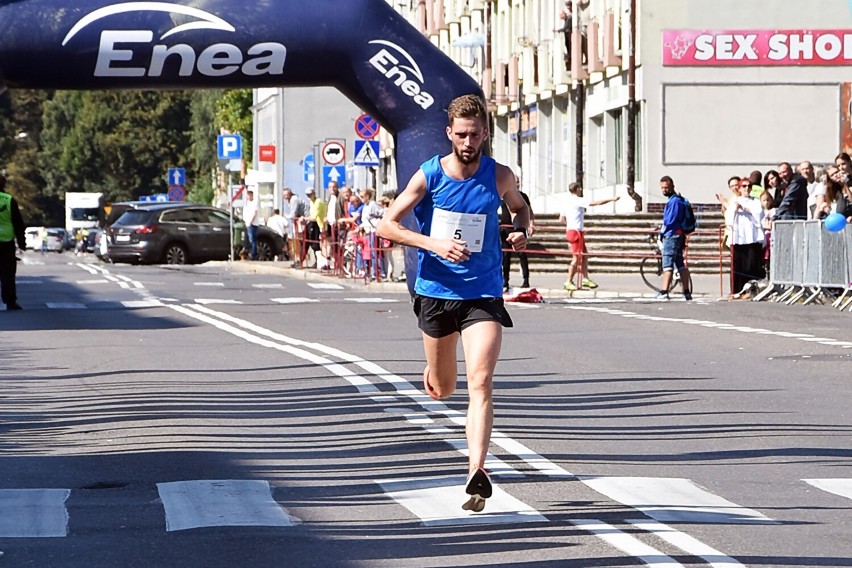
[[230, 221]]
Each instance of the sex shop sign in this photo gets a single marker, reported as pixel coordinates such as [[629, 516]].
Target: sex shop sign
[[756, 48]]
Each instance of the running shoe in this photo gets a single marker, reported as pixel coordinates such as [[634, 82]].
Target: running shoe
[[588, 283], [479, 488], [570, 286], [687, 296], [662, 296]]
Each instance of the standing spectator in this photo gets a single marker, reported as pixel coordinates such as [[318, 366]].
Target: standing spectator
[[296, 211], [314, 227], [505, 229], [328, 240], [11, 229], [772, 184], [806, 170], [386, 245], [794, 204], [744, 217], [278, 223], [756, 178], [251, 217], [768, 216], [835, 197], [573, 216], [43, 237], [674, 240], [370, 217], [726, 200]]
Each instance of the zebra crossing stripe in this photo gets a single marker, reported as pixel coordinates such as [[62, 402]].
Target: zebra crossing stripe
[[324, 286], [840, 486], [437, 501], [624, 542], [66, 306], [294, 300], [670, 499], [33, 513], [686, 543], [220, 503]]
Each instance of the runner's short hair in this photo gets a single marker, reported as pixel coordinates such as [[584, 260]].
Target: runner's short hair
[[467, 106]]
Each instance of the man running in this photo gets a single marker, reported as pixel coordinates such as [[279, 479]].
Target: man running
[[459, 287]]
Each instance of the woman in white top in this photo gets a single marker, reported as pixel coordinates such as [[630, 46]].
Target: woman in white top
[[744, 220]]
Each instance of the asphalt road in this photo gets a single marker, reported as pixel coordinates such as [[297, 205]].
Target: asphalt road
[[202, 416]]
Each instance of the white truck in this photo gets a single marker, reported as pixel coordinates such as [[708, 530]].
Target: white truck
[[83, 211]]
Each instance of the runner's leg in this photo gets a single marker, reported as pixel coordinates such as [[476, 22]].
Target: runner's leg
[[481, 342], [442, 362]]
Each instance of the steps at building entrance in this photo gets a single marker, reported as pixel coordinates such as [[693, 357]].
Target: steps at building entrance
[[617, 243]]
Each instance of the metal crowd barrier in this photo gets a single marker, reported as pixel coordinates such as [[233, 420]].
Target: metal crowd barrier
[[809, 260]]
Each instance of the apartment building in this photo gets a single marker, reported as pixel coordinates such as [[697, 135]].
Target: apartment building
[[715, 88]]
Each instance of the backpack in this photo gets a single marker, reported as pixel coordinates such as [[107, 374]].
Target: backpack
[[689, 221]]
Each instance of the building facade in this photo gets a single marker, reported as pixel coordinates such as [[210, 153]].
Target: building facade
[[615, 94], [569, 103]]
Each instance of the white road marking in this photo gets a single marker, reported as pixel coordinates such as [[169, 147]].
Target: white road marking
[[295, 300], [725, 326], [405, 389], [437, 501], [220, 503], [839, 486], [324, 286], [215, 284], [101, 281], [687, 543], [29, 281], [66, 306], [371, 300], [134, 304], [268, 286], [33, 513], [626, 543], [205, 301], [668, 499]]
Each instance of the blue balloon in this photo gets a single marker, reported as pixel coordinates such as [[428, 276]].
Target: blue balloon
[[835, 222]]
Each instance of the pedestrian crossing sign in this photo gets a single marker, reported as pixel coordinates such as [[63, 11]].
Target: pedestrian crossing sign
[[366, 153]]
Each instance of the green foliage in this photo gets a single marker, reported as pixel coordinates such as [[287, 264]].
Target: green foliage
[[120, 143], [233, 113]]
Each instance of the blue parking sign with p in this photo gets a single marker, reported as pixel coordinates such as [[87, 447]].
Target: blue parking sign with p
[[230, 146]]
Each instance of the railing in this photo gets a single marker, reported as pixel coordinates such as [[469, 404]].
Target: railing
[[809, 259]]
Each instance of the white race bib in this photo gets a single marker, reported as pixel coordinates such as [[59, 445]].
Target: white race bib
[[468, 227]]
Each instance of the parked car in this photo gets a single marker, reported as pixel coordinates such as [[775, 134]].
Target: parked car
[[180, 233], [55, 239]]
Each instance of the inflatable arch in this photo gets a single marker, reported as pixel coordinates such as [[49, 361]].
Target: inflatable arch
[[362, 47]]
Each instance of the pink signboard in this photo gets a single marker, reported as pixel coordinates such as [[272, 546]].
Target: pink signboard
[[756, 48]]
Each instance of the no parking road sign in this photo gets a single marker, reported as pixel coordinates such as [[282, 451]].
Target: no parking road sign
[[367, 127]]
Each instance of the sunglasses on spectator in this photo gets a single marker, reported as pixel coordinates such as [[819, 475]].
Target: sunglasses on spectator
[[745, 184]]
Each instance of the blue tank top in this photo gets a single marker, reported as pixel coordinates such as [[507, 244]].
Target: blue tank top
[[481, 276]]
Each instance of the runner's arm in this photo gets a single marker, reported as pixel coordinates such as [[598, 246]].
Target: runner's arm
[[517, 206]]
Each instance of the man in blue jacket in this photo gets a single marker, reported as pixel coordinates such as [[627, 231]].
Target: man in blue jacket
[[674, 240]]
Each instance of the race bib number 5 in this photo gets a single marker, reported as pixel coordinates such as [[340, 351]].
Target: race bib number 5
[[468, 227]]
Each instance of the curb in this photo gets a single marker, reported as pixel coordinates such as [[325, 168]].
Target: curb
[[276, 267]]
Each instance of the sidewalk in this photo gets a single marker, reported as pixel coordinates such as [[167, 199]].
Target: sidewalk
[[548, 284]]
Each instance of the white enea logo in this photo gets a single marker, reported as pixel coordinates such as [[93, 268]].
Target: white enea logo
[[216, 60], [390, 67]]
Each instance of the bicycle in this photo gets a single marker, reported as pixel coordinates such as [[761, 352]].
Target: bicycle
[[651, 267]]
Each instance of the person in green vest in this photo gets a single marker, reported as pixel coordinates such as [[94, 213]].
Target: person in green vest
[[11, 229]]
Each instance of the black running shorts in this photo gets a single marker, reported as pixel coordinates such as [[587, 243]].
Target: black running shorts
[[439, 318]]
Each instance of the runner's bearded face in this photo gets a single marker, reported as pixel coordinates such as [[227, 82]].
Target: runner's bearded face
[[467, 136]]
